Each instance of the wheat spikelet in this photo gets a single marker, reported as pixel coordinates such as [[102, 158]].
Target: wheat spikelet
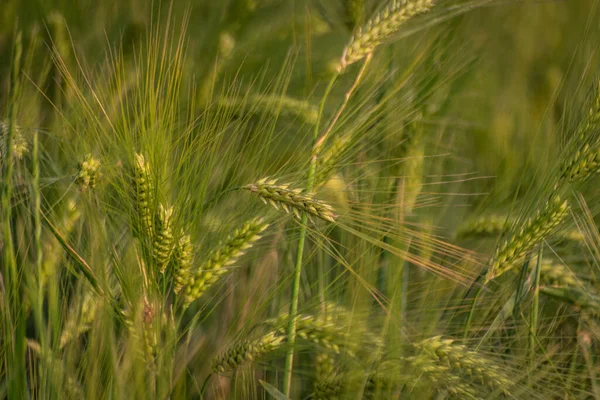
[[272, 105], [412, 167], [531, 233], [88, 172], [144, 195], [79, 322], [465, 362], [291, 200], [182, 262], [225, 255], [162, 246], [380, 28], [245, 351]]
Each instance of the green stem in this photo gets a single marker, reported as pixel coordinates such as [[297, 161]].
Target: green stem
[[310, 180], [13, 314], [535, 304]]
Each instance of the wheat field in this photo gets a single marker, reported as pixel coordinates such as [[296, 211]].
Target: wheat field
[[299, 199]]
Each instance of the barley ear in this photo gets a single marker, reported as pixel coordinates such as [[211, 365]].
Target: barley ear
[[222, 258], [534, 230], [380, 28], [291, 200], [88, 172], [246, 351]]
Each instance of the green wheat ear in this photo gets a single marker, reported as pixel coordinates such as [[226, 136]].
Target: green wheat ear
[[19, 145], [144, 195], [245, 351], [88, 172], [465, 362], [162, 246], [531, 233], [223, 257], [380, 28], [291, 200]]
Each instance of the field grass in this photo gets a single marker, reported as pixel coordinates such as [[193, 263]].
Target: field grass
[[299, 199]]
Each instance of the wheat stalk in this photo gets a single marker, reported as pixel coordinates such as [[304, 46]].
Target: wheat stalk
[[531, 233], [380, 28], [245, 351], [291, 200], [224, 256], [162, 246]]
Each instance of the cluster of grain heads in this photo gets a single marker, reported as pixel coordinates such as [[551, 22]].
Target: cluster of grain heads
[[183, 255], [534, 230], [465, 362], [291, 200], [271, 105], [144, 195], [485, 226], [222, 258], [380, 28], [245, 351], [162, 244], [88, 172], [80, 318], [19, 144]]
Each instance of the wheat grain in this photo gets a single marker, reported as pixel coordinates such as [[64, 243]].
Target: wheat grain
[[380, 28], [291, 200], [224, 256], [532, 232]]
